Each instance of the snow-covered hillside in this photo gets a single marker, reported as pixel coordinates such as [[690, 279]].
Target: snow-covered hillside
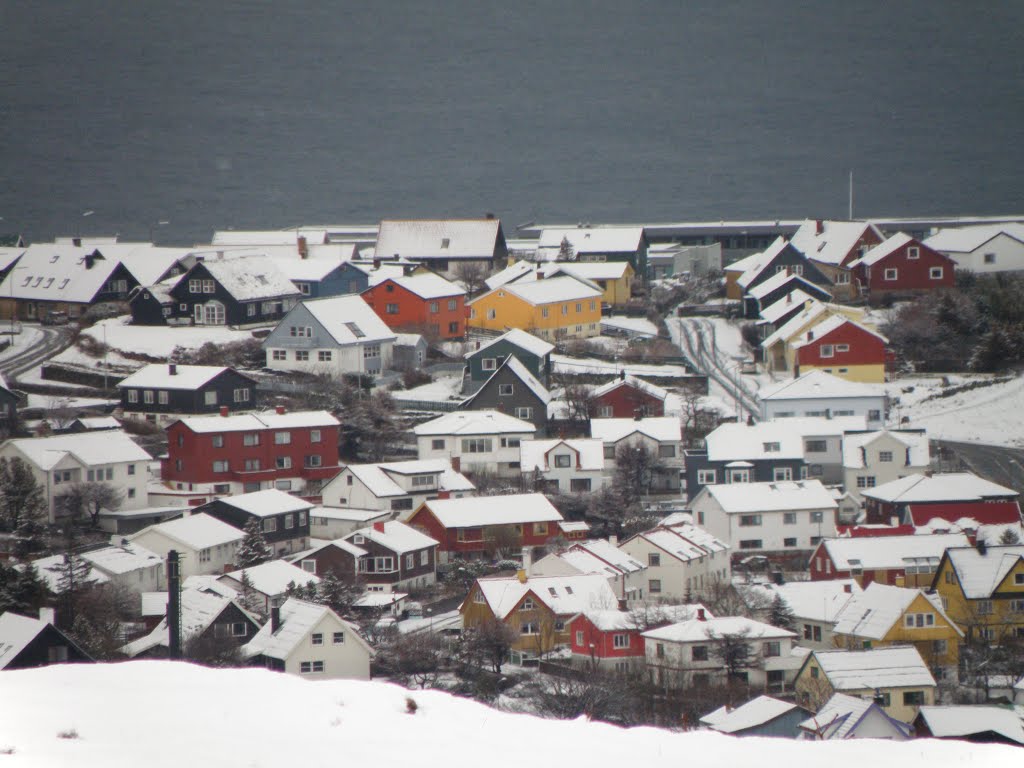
[[150, 714]]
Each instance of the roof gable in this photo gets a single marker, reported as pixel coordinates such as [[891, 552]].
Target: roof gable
[[440, 238]]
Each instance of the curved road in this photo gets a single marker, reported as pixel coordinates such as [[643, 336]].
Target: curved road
[[54, 341], [994, 462], [696, 338]]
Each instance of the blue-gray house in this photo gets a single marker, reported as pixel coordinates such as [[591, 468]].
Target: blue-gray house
[[533, 353]]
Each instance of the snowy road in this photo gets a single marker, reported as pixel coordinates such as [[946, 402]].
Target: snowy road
[[713, 346]]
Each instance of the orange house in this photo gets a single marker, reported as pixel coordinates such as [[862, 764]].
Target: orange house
[[423, 303]]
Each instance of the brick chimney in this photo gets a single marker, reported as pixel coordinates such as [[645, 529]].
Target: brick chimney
[[303, 247], [457, 463], [279, 410], [172, 369], [848, 588], [444, 494], [378, 527], [700, 615], [819, 226], [224, 410]]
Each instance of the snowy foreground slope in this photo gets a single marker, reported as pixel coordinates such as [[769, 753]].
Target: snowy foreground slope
[[143, 714]]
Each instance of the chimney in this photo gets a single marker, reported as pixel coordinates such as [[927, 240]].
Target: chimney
[[777, 578], [622, 375], [444, 494], [408, 269], [457, 463], [275, 618], [46, 615], [172, 369], [378, 527], [789, 297], [90, 260], [279, 410], [819, 226], [527, 560], [613, 540], [848, 588], [224, 410], [488, 215], [700, 615], [982, 547], [810, 335], [376, 263], [220, 254], [303, 247], [76, 241], [521, 575]]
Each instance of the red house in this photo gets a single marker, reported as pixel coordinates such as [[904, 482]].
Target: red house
[[903, 264], [949, 495], [612, 639], [626, 397], [902, 561], [228, 455], [423, 303], [846, 349], [472, 528]]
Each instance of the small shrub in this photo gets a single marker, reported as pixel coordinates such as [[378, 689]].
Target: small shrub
[[415, 377], [410, 705], [70, 733]]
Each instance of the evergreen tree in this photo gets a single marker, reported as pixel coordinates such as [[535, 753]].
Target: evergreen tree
[[1009, 537], [251, 600], [72, 581], [338, 594], [19, 493], [254, 548], [993, 351], [565, 251], [30, 533], [781, 615], [21, 590]]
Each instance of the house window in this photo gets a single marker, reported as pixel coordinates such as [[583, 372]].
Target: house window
[[780, 474], [324, 355], [269, 525], [133, 395], [391, 309], [434, 308], [771, 648], [667, 451], [282, 438], [437, 445], [491, 314], [816, 446], [750, 520], [885, 456], [563, 461], [817, 517], [524, 413], [147, 397], [659, 650], [827, 350], [565, 309], [739, 476], [605, 411], [990, 258], [843, 278], [791, 542], [865, 481], [620, 641], [313, 461], [529, 628], [301, 355], [289, 521], [653, 559], [338, 638], [544, 312], [935, 273], [220, 466], [210, 398], [580, 485], [528, 605], [609, 452], [283, 462], [919, 620], [874, 415], [579, 637], [278, 354], [251, 438], [307, 667], [699, 653], [706, 476], [891, 274], [654, 586], [789, 518], [401, 505], [476, 445], [540, 529], [425, 557], [218, 441], [370, 351], [750, 544], [314, 435], [453, 304], [489, 363], [984, 607], [317, 638], [131, 469], [913, 698], [163, 397], [771, 447], [504, 390]]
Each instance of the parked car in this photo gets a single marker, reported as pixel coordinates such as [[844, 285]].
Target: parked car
[[55, 317]]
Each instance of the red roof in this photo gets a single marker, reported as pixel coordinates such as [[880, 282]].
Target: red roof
[[867, 531], [985, 512]]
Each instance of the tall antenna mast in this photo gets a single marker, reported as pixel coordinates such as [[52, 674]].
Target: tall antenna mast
[[851, 196]]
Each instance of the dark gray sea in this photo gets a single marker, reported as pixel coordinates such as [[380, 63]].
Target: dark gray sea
[[212, 114]]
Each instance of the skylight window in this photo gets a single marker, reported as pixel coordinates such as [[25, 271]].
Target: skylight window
[[356, 330], [53, 259], [445, 242]]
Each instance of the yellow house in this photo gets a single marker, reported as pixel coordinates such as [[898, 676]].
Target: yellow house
[[553, 309], [780, 347], [734, 271], [982, 589], [614, 278], [896, 677], [537, 609], [884, 615]]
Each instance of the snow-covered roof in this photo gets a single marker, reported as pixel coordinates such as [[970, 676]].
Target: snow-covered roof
[[269, 237], [522, 373], [475, 423], [438, 238], [664, 429], [121, 558], [792, 300], [829, 324], [818, 384], [737, 498], [534, 454], [298, 619], [644, 615], [760, 264], [251, 422], [551, 291], [967, 239], [522, 339], [710, 628], [250, 279], [980, 574], [959, 721], [95, 422], [605, 240], [873, 612], [835, 241], [841, 714], [349, 320], [494, 510], [198, 531], [883, 249], [428, 285], [396, 536], [885, 552], [756, 712], [61, 271], [409, 339], [951, 486], [564, 595], [812, 600], [90, 448], [811, 313], [683, 542], [349, 514], [520, 270], [267, 502], [743, 442], [50, 569], [915, 443], [630, 381], [780, 279], [273, 577], [891, 667], [16, 632], [378, 477], [588, 270], [199, 609], [342, 544], [184, 377], [600, 556]]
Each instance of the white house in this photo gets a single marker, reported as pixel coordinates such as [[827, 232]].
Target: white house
[[475, 440], [982, 248], [204, 543], [660, 435], [310, 640], [397, 486], [691, 652], [334, 336], [871, 459], [564, 466], [682, 561], [817, 393], [768, 517], [269, 581], [62, 461], [625, 573], [330, 523], [815, 605]]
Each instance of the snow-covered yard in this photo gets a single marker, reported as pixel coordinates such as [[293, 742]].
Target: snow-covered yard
[[440, 389], [634, 326], [565, 364], [160, 341]]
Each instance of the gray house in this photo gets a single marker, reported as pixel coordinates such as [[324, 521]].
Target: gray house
[[533, 353], [337, 335], [763, 716], [512, 389]]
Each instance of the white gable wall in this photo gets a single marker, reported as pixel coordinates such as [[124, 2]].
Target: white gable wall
[[502, 460], [193, 562], [772, 531], [1008, 253], [871, 407], [678, 579], [349, 660]]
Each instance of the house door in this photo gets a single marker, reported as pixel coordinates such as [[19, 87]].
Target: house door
[[213, 313]]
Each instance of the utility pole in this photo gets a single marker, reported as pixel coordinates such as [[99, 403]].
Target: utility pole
[[173, 606], [851, 196]]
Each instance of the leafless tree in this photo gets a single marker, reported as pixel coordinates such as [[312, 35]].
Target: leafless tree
[[635, 467], [472, 275], [488, 643], [89, 500]]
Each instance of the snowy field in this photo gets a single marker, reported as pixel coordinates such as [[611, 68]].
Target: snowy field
[[155, 714], [159, 341], [440, 389], [565, 364], [636, 326]]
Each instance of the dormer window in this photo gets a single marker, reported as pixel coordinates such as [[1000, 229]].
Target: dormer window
[[445, 242]]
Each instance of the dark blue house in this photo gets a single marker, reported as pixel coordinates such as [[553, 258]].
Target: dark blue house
[[533, 353]]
